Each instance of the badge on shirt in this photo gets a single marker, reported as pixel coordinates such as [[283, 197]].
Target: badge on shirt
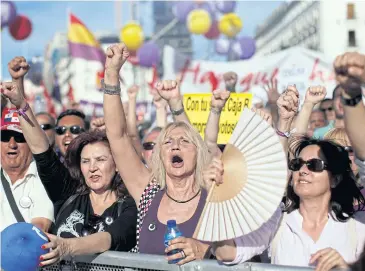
[[152, 227]]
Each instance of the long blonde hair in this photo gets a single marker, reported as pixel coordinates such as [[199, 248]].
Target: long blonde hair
[[203, 156], [339, 136]]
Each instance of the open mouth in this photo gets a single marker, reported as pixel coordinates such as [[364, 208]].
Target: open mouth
[[94, 178], [66, 143], [177, 161], [303, 182], [12, 153]]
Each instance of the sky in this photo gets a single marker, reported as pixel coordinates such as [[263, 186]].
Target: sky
[[49, 17]]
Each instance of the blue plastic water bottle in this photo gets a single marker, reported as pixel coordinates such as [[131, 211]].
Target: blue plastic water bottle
[[172, 232]]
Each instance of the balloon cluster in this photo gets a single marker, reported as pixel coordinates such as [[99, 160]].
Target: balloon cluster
[[212, 19], [20, 27]]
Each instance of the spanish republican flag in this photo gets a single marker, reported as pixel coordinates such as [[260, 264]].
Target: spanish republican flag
[[87, 66], [82, 43]]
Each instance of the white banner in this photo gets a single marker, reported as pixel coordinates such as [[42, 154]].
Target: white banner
[[296, 65]]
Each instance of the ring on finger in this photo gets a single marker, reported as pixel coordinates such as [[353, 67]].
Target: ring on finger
[[183, 253]]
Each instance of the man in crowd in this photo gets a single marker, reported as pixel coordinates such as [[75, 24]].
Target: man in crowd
[[22, 195], [339, 113], [317, 119], [326, 106], [47, 123], [69, 125]]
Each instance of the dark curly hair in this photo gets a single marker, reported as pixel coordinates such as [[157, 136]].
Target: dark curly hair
[[344, 192], [73, 159]]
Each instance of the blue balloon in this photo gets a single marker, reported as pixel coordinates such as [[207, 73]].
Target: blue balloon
[[8, 13], [21, 247], [225, 6]]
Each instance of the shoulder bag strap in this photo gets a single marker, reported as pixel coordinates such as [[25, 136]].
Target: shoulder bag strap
[[353, 235], [67, 203], [120, 205], [11, 200]]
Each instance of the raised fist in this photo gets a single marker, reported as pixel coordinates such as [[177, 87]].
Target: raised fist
[[97, 124], [116, 56], [11, 91], [219, 98], [132, 91], [288, 103], [350, 72], [230, 80], [169, 90], [315, 94], [18, 67]]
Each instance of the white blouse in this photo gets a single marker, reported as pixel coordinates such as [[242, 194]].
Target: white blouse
[[295, 247]]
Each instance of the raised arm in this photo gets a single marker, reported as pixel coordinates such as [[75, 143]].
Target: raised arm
[[288, 104], [219, 98], [169, 90], [273, 95], [161, 114], [313, 96], [132, 121], [350, 73], [133, 172]]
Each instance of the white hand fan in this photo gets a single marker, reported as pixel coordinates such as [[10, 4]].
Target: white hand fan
[[255, 178]]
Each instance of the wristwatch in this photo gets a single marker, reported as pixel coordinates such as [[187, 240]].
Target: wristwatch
[[352, 101], [177, 112]]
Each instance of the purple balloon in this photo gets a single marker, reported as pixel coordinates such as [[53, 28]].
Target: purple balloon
[[148, 55], [222, 46], [244, 47], [8, 13], [182, 9], [226, 6], [209, 7]]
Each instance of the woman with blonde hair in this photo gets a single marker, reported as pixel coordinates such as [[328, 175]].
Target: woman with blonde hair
[[173, 189]]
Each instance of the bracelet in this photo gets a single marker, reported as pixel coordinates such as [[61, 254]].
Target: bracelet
[[283, 134], [352, 101], [22, 111], [215, 110], [111, 90], [177, 112]]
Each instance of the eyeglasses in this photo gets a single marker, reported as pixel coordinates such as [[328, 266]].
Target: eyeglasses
[[147, 146], [5, 137], [46, 126], [315, 165], [75, 130], [349, 149], [94, 223], [326, 109]]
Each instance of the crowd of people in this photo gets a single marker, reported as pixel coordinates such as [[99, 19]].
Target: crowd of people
[[106, 185]]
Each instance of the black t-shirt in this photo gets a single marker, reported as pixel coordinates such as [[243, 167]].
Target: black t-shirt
[[78, 216]]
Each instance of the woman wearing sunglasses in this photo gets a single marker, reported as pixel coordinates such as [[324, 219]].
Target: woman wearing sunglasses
[[317, 227], [90, 199]]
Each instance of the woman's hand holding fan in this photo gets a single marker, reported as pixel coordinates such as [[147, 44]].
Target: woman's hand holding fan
[[214, 173]]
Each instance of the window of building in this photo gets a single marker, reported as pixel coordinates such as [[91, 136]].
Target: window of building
[[350, 11], [352, 38]]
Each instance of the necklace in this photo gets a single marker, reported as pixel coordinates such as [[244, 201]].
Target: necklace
[[182, 201]]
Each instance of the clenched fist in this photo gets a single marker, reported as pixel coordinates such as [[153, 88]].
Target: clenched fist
[[132, 91], [288, 103], [350, 72], [315, 94], [169, 90], [116, 56], [18, 67], [11, 91], [219, 98], [97, 124]]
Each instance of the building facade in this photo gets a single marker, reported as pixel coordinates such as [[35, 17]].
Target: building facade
[[329, 26]]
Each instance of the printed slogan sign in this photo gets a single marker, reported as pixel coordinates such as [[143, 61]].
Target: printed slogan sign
[[197, 107]]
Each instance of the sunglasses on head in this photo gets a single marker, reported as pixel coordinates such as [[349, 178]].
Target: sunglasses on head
[[314, 165], [327, 109], [19, 138], [147, 146], [46, 126], [75, 130]]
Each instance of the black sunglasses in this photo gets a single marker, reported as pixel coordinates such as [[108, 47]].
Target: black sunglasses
[[46, 126], [94, 223], [19, 138], [315, 165], [326, 109], [349, 149], [147, 146], [75, 130]]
